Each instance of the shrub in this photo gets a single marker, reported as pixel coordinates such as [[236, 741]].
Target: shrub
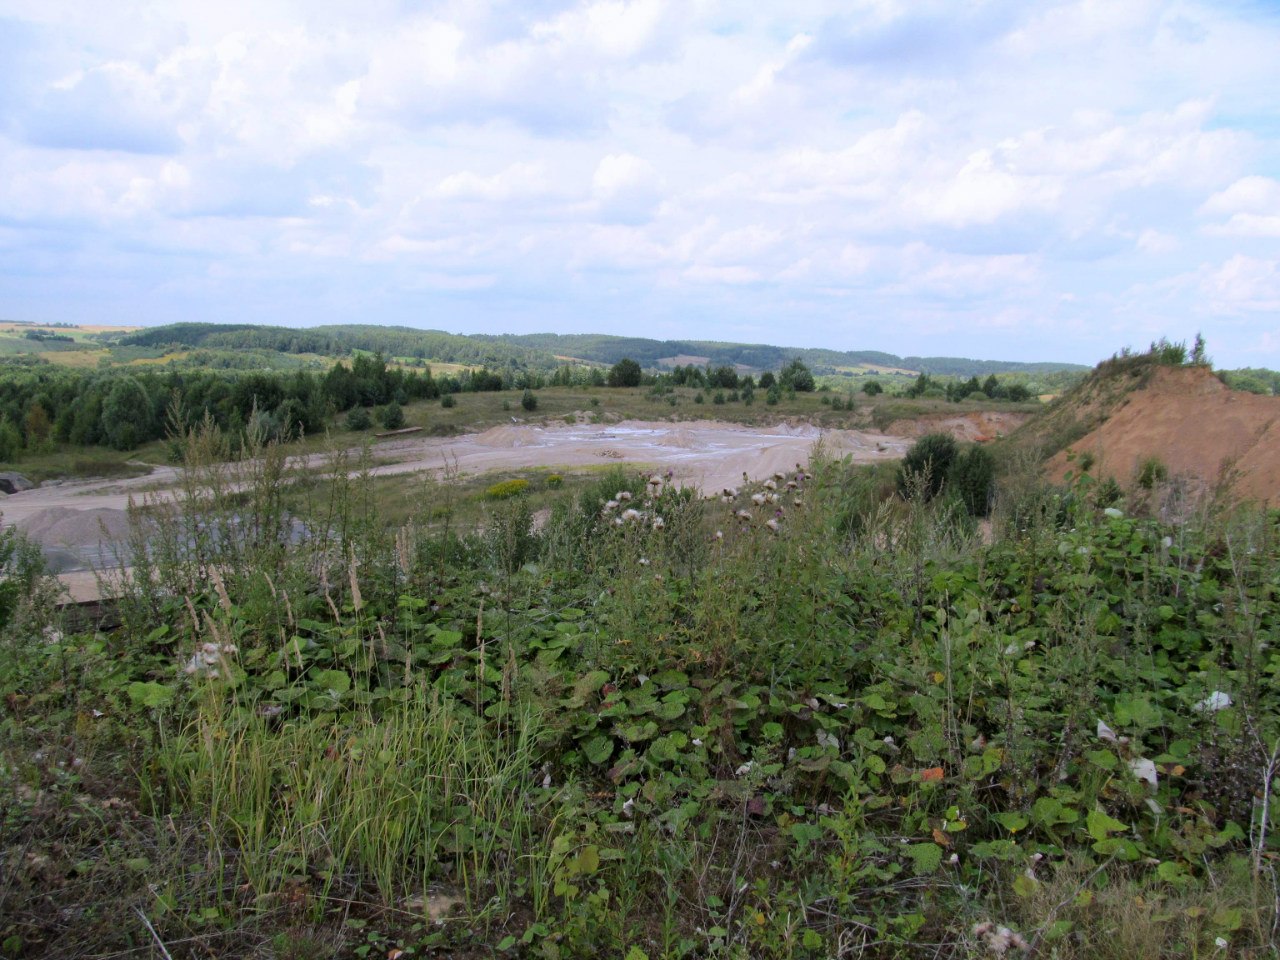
[[555, 481], [925, 468], [796, 376], [698, 398], [358, 419], [506, 489], [528, 400], [10, 440], [625, 373], [448, 401], [391, 416], [718, 399], [773, 396], [972, 477], [1152, 471], [872, 387]]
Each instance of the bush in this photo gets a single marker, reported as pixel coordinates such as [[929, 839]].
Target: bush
[[872, 387], [796, 376], [973, 477], [359, 419], [698, 398], [506, 489], [773, 396], [1152, 471], [925, 468], [528, 400], [555, 481], [10, 441], [448, 401], [625, 373], [718, 399], [391, 416]]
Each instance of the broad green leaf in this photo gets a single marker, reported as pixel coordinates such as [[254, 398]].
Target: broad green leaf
[[1012, 820], [336, 680], [926, 857], [149, 694], [598, 749], [1100, 824]]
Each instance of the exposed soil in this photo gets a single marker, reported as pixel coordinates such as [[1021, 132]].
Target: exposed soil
[[1196, 427], [78, 523], [978, 426]]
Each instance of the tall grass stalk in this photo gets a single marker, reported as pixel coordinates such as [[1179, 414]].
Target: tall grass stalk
[[386, 803]]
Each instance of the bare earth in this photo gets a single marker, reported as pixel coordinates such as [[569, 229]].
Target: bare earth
[[84, 520], [1196, 426]]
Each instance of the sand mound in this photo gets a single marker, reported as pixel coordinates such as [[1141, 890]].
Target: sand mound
[[977, 426], [682, 439], [1193, 424], [66, 527], [506, 437]]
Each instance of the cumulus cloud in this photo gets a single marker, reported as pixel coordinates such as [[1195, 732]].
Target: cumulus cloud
[[872, 173], [1251, 207], [626, 188], [1244, 284]]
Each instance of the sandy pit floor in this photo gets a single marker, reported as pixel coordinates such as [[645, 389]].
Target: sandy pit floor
[[84, 519], [703, 454]]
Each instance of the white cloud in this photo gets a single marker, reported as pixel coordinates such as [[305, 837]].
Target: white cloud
[[516, 181], [1155, 242], [1251, 206], [614, 29], [1243, 285], [1070, 166], [626, 188]]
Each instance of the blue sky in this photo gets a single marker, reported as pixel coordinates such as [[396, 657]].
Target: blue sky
[[1001, 179]]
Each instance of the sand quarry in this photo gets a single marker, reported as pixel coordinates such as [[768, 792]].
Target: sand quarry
[[1197, 427], [81, 524]]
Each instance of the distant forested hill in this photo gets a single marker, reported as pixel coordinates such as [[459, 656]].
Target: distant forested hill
[[541, 350], [601, 348], [342, 341]]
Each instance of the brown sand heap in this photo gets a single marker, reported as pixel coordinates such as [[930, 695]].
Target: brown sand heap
[[1191, 422], [508, 436], [977, 426]]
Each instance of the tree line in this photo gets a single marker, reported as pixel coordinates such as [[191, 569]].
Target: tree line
[[124, 408]]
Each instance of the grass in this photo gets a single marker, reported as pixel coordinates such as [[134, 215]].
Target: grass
[[847, 726], [73, 462]]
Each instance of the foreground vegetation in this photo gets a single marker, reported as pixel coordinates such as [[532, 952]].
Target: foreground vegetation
[[822, 716]]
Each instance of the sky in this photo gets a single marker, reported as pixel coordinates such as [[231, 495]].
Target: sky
[[1004, 179]]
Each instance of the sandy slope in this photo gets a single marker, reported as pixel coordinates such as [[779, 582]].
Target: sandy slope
[[1196, 426]]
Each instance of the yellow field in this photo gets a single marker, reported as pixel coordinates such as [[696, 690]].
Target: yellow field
[[73, 358], [9, 327]]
